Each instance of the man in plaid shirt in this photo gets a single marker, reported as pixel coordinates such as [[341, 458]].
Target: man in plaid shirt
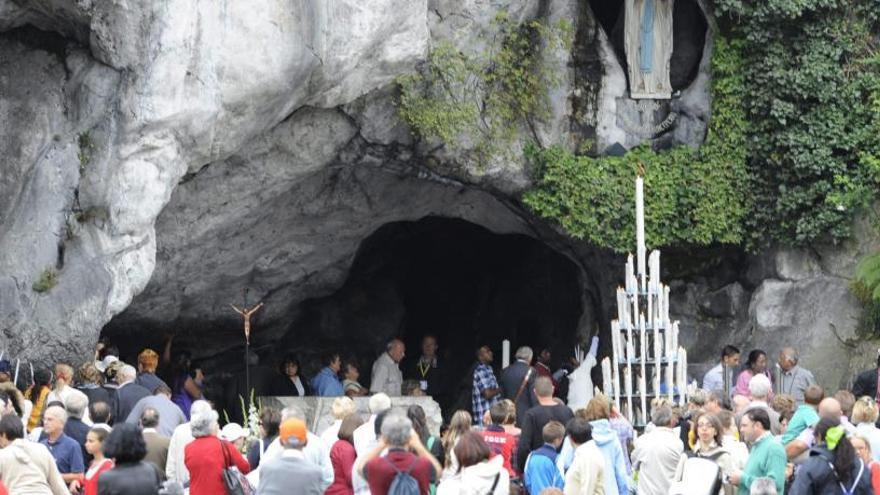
[[486, 390]]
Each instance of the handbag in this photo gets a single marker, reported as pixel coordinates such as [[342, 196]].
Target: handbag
[[233, 479]]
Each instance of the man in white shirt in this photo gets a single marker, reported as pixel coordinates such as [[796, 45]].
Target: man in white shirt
[[387, 377], [657, 453], [586, 475], [713, 380], [365, 434], [175, 468], [759, 391], [365, 438]]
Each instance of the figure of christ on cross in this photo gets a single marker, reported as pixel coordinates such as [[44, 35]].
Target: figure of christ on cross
[[246, 314]]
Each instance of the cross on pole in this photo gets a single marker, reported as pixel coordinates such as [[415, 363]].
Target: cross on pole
[[246, 315]]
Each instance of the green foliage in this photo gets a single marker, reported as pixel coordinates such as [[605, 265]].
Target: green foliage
[[482, 102], [866, 288], [697, 196], [812, 86], [868, 277], [47, 281]]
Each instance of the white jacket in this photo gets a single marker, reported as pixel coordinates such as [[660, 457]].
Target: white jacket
[[478, 479], [586, 475]]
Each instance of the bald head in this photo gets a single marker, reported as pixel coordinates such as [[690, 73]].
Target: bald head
[[788, 358], [830, 408]]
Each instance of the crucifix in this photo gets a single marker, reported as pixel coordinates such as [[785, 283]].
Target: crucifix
[[246, 314]]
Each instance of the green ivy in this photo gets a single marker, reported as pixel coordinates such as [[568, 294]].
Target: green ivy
[[810, 79], [47, 281], [696, 196], [482, 102]]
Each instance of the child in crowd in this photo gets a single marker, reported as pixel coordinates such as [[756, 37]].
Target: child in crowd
[[541, 471]]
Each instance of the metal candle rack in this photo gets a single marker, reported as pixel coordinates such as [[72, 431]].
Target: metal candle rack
[[643, 337]]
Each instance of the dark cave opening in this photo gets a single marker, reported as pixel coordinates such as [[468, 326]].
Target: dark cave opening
[[689, 37], [450, 278], [443, 276]]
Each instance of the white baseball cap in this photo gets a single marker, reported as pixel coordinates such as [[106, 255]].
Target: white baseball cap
[[232, 432], [107, 361]]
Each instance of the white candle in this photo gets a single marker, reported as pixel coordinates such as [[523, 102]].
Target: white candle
[[615, 370], [627, 380], [670, 366], [615, 352], [675, 336], [644, 359], [505, 353], [657, 356], [666, 305], [606, 377], [630, 288], [640, 228], [684, 371]]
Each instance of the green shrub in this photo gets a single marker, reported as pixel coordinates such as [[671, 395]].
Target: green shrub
[[693, 196], [47, 281], [483, 102]]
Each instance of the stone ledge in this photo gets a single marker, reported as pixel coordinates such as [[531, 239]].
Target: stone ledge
[[319, 417]]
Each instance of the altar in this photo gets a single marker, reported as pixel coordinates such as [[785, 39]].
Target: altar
[[319, 416]]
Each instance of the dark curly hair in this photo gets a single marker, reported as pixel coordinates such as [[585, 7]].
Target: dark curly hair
[[125, 444]]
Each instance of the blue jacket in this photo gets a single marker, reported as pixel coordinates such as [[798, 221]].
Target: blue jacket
[[327, 384], [616, 479], [541, 471], [816, 477]]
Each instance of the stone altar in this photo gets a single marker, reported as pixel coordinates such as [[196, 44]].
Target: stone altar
[[319, 417]]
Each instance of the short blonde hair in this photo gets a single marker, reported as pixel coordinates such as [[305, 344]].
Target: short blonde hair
[[64, 371], [148, 360], [598, 408], [89, 373], [864, 410], [342, 407]]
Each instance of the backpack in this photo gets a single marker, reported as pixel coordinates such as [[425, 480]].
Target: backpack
[[403, 482], [855, 482], [701, 475]]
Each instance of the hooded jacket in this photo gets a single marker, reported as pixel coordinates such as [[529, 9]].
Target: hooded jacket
[[816, 477], [615, 466], [27, 468], [478, 479]]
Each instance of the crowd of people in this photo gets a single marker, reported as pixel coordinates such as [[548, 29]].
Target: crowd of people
[[116, 428]]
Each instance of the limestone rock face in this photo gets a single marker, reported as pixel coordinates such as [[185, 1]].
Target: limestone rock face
[[99, 138], [158, 157]]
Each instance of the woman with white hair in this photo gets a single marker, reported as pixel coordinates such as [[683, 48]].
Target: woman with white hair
[[207, 456], [341, 407]]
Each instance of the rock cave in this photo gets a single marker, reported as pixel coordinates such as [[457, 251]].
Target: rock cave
[[442, 276], [149, 176]]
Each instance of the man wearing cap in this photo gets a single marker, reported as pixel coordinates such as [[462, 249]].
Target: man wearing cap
[[276, 474]]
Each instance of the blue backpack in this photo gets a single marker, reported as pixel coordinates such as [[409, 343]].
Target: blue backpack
[[403, 482]]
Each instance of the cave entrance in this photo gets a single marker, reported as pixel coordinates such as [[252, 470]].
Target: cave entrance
[[450, 278], [443, 276]]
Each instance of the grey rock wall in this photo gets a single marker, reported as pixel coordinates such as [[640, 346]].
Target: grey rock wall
[[161, 156]]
